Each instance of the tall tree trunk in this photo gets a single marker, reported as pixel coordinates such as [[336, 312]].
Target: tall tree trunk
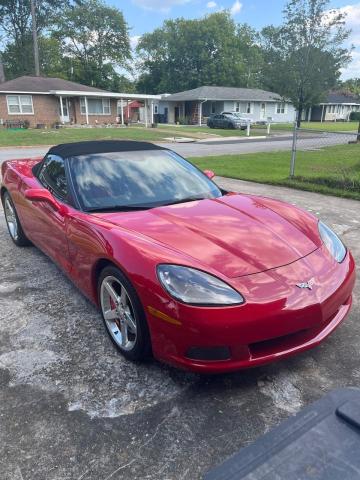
[[2, 73], [35, 39]]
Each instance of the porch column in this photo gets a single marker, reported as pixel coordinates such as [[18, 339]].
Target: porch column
[[61, 110], [86, 111], [146, 112], [322, 113], [200, 113], [122, 111], [152, 112]]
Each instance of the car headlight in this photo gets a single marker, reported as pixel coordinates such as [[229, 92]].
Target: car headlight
[[196, 287], [332, 242]]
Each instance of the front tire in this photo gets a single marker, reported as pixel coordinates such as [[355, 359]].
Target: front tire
[[13, 223], [123, 314]]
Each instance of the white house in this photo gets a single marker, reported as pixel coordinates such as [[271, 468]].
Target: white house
[[196, 105], [337, 107]]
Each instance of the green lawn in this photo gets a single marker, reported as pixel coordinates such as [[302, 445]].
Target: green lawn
[[324, 126], [331, 170], [10, 137], [63, 135]]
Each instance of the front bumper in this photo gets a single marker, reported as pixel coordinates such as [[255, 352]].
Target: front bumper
[[279, 319]]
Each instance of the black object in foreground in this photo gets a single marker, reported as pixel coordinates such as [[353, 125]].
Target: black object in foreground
[[320, 442]]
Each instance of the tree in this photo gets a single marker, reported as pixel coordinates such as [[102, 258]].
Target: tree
[[352, 85], [16, 27], [52, 63], [95, 38], [304, 55], [184, 54]]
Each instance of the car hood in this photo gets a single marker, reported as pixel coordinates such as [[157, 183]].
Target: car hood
[[236, 234]]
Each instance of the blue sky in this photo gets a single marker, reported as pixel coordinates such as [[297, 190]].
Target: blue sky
[[145, 15]]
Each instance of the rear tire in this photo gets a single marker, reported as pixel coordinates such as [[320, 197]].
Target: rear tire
[[13, 223], [123, 314]]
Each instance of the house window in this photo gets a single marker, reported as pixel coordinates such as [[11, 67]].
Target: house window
[[281, 108], [213, 107], [237, 106], [248, 107], [96, 106], [22, 104], [156, 109]]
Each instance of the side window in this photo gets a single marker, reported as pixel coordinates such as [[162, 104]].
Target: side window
[[52, 176]]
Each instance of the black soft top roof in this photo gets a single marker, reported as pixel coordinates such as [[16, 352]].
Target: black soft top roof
[[66, 150]]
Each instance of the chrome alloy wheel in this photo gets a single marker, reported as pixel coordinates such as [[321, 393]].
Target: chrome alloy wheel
[[11, 219], [118, 313]]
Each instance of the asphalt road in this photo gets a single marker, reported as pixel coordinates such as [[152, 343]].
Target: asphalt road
[[220, 147], [71, 408]]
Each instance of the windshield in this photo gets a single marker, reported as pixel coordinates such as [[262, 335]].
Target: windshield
[[140, 179]]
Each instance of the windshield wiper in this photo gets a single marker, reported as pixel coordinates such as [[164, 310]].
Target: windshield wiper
[[185, 200], [118, 208], [131, 208]]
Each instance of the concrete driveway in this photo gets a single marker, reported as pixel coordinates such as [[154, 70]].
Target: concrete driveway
[[71, 408]]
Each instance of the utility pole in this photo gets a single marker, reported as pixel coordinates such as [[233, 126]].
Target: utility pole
[[35, 38]]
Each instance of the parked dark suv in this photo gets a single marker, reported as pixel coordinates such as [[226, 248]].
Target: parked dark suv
[[226, 120]]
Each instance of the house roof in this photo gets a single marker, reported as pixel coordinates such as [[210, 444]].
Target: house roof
[[342, 97], [224, 93], [58, 86], [32, 84]]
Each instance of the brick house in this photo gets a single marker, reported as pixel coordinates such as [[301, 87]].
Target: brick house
[[48, 101]]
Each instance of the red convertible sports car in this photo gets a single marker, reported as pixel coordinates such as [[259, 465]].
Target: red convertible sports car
[[204, 279]]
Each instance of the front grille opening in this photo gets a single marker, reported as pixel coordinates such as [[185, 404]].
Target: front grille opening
[[208, 353], [278, 344]]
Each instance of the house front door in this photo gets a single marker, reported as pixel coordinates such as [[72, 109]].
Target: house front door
[[64, 114], [177, 114], [262, 111]]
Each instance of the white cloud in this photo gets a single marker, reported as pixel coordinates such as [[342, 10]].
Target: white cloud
[[163, 6], [211, 4], [236, 8], [134, 40], [353, 23]]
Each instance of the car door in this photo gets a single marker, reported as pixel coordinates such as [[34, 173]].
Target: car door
[[218, 121], [48, 231], [224, 121]]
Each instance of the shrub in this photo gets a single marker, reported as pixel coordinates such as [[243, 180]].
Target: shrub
[[355, 116]]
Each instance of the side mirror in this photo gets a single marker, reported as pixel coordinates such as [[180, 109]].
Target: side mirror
[[43, 195], [209, 173]]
